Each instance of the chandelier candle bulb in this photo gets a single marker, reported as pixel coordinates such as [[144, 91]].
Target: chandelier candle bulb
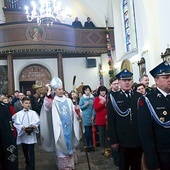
[[47, 12]]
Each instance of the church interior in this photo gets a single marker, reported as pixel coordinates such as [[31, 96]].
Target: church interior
[[37, 43]]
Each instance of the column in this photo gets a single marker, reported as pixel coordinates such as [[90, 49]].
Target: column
[[10, 73], [60, 68]]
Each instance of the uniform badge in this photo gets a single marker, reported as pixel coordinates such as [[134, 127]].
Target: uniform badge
[[165, 113], [12, 158], [11, 148], [162, 119]]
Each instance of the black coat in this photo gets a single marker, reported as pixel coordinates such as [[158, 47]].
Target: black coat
[[8, 148], [89, 24], [154, 137], [123, 130]]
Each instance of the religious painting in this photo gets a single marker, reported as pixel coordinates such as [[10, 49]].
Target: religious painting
[[126, 64], [35, 33], [3, 79]]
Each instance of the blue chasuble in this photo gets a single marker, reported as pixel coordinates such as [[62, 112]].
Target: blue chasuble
[[65, 117]]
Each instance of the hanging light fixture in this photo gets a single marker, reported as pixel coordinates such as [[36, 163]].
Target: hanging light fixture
[[47, 12]]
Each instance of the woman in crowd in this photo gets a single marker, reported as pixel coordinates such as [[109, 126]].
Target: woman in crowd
[[86, 105], [74, 97], [140, 88], [101, 117]]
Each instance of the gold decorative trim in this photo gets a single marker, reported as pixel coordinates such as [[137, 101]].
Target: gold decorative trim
[[126, 64]]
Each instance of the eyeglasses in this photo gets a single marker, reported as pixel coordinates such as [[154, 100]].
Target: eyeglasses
[[114, 83]]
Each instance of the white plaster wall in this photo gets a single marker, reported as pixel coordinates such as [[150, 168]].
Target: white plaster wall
[[97, 10], [77, 67], [163, 25]]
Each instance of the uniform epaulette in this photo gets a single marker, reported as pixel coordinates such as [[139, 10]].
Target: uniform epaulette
[[151, 92]]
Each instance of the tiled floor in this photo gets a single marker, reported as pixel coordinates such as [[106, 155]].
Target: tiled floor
[[46, 161]]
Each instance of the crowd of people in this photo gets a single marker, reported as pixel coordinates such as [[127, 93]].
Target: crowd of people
[[88, 24], [133, 121]]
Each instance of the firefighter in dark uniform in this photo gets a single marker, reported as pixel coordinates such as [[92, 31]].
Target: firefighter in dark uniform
[[8, 148], [122, 123], [154, 120]]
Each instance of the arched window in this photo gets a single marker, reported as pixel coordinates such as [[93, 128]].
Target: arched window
[[129, 25]]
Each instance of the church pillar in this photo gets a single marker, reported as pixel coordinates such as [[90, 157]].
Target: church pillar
[[60, 68], [10, 73]]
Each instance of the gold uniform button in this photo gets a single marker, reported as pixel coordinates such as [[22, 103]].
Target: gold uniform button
[[165, 113], [162, 119]]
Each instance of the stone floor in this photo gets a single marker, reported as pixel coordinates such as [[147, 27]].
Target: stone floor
[[46, 161]]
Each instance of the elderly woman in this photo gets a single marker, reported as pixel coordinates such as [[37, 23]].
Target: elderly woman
[[65, 131]]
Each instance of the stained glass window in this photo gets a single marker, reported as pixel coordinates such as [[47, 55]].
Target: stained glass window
[[129, 25]]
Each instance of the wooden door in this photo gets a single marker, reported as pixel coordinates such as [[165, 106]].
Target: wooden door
[[32, 75]]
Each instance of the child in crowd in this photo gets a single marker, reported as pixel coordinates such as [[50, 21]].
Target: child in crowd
[[26, 122]]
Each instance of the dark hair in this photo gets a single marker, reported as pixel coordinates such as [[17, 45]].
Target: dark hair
[[9, 96], [70, 94], [112, 80], [85, 87], [138, 85], [26, 99], [101, 88], [133, 85]]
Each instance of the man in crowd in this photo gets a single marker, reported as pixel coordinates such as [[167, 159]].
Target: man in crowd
[[114, 84], [89, 23], [144, 79], [8, 148], [77, 23], [62, 120], [122, 123], [154, 120], [15, 99], [18, 105], [34, 103]]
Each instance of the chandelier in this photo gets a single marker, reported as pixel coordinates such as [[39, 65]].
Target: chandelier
[[47, 12]]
